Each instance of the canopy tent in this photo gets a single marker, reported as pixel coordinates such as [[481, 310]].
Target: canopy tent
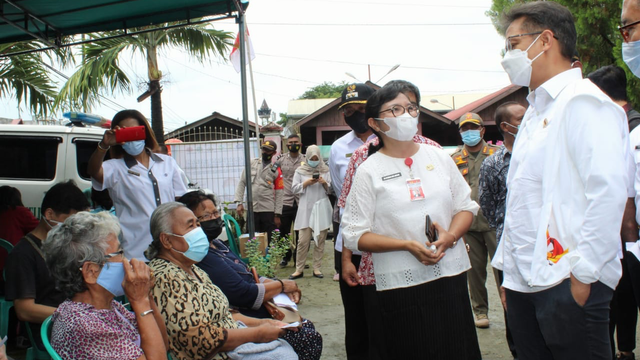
[[51, 21]]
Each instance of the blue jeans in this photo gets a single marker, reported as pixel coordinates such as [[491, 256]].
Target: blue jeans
[[550, 325]]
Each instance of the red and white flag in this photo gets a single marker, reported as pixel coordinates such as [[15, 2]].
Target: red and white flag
[[235, 53]]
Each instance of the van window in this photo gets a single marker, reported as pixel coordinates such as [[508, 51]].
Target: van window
[[84, 149], [28, 157]]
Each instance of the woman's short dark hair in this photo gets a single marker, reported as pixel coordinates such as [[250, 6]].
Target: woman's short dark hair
[[10, 198], [612, 80], [545, 15], [193, 199], [385, 94], [150, 142]]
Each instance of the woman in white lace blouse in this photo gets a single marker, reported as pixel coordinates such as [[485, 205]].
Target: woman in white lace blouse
[[421, 285]]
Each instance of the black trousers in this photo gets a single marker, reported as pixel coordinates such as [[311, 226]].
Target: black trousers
[[510, 343], [286, 219], [264, 223], [355, 320], [549, 324], [624, 310]]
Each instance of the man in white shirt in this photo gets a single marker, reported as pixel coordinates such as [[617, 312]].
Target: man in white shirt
[[567, 189], [354, 99]]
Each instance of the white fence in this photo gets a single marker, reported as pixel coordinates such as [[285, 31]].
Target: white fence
[[214, 165]]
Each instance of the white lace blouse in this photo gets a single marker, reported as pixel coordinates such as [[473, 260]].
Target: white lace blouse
[[380, 202]]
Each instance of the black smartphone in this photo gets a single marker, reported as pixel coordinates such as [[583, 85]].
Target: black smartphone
[[430, 229], [316, 176]]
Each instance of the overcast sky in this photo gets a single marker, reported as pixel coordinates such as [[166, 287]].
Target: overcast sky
[[442, 46]]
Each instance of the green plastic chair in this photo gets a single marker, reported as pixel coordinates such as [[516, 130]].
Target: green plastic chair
[[234, 240], [5, 305], [33, 353], [45, 332]]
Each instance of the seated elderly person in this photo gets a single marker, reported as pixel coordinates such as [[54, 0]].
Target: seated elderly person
[[196, 313], [236, 281], [87, 263]]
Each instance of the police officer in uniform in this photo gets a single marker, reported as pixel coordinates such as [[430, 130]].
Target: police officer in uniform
[[267, 189], [480, 238]]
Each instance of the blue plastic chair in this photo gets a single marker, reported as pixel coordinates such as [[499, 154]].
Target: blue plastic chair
[[45, 332], [5, 305], [234, 239]]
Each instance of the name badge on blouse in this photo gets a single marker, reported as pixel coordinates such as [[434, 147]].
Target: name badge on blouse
[[415, 189], [131, 172]]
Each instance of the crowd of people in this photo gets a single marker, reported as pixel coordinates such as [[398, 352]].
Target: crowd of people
[[555, 208]]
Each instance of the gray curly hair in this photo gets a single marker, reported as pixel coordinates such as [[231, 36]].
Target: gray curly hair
[[161, 222], [81, 238]]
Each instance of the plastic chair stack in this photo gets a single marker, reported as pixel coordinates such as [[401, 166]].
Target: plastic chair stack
[[234, 239]]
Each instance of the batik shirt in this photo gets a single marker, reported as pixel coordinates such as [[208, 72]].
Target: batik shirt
[[195, 311], [492, 189]]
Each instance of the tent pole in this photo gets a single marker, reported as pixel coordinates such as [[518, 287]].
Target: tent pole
[[253, 92], [245, 125]]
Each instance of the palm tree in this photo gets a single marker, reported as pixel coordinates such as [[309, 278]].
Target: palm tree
[[100, 68], [26, 76]]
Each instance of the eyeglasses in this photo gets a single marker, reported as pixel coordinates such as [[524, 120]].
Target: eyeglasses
[[399, 110], [350, 110], [507, 42], [106, 258], [624, 30], [112, 255], [207, 216]]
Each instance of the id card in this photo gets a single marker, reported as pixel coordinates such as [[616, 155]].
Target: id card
[[415, 189]]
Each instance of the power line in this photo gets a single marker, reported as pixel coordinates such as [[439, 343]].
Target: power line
[[381, 65]]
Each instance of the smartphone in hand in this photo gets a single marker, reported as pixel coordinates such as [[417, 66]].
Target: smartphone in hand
[[130, 134], [316, 176], [430, 229]]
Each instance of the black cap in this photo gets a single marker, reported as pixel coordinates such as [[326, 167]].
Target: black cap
[[269, 145], [355, 94]]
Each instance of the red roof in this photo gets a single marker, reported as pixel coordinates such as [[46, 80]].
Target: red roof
[[482, 103]]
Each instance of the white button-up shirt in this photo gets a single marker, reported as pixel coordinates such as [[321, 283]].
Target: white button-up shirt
[[135, 196], [341, 151], [567, 184]]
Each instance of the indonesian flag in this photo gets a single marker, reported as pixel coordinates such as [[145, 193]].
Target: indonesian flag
[[235, 53]]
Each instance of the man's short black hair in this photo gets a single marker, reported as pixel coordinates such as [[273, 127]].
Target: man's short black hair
[[545, 15], [293, 136], [612, 80], [63, 198], [503, 114]]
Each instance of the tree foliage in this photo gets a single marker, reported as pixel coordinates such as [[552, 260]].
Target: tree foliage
[[26, 78], [598, 42], [101, 71], [326, 90]]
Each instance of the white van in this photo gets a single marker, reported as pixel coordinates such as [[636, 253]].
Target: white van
[[35, 157]]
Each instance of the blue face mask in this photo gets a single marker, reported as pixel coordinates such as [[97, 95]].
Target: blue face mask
[[133, 148], [313, 163], [198, 244], [111, 278], [631, 56], [471, 137]]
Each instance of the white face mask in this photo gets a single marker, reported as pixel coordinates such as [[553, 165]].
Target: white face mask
[[631, 56], [518, 65], [401, 128]]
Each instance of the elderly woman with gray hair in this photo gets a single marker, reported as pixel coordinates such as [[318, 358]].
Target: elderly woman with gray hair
[[195, 311], [87, 263]]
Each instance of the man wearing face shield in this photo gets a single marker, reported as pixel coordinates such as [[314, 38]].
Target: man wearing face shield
[[267, 187], [567, 190], [480, 237]]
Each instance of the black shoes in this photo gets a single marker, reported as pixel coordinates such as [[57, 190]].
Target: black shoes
[[298, 276]]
